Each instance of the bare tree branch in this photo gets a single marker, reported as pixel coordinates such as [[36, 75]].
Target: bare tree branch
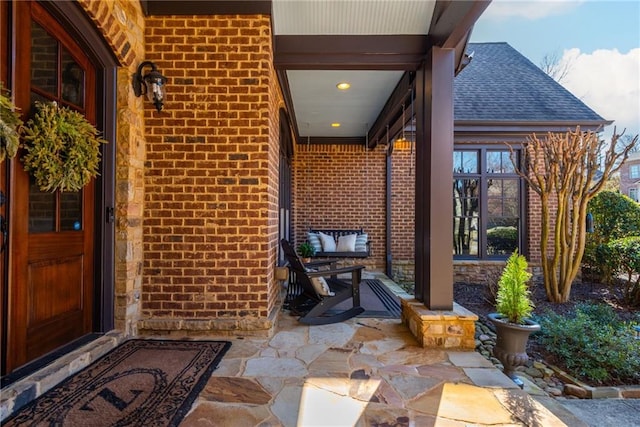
[[553, 66]]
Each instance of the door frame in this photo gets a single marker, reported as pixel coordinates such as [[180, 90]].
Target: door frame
[[71, 16]]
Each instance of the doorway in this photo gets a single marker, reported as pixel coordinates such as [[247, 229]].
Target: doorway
[[58, 269]]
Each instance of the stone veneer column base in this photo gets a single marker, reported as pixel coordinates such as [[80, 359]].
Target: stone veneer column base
[[440, 329]]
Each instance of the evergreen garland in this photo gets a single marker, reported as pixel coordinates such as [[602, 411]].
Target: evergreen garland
[[10, 126], [62, 148]]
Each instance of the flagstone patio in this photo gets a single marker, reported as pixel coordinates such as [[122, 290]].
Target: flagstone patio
[[362, 372]]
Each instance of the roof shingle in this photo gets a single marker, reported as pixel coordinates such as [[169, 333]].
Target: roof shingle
[[501, 85]]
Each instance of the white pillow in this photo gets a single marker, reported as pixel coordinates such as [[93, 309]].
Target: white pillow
[[361, 242], [328, 244], [347, 243], [321, 286]]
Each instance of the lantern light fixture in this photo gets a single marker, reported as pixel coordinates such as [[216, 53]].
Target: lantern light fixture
[[151, 84]]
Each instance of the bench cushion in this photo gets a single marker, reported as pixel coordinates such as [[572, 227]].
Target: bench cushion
[[361, 248]]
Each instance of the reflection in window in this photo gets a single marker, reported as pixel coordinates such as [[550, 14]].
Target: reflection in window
[[465, 216], [499, 162], [71, 211], [42, 209], [465, 162], [486, 205], [44, 60], [72, 80]]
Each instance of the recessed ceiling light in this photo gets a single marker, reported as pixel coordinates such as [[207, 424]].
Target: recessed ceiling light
[[343, 85], [335, 125]]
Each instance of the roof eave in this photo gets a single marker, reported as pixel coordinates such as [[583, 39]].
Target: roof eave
[[501, 130]]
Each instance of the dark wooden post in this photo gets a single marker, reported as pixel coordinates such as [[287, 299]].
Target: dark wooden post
[[434, 177]]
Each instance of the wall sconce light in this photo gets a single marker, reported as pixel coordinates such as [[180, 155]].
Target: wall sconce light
[[151, 83]]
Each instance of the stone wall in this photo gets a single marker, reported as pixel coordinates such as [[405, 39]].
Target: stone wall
[[122, 25]]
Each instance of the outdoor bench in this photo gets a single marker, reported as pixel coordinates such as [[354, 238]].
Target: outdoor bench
[[340, 243]]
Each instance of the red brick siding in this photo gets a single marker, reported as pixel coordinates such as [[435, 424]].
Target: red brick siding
[[211, 170], [403, 180], [341, 187]]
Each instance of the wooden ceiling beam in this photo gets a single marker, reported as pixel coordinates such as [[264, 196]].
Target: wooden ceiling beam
[[349, 52], [391, 113]]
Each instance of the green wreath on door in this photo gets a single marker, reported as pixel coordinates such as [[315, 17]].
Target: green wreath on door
[[62, 148]]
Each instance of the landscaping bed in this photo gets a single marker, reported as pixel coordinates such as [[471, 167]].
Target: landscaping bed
[[478, 299]]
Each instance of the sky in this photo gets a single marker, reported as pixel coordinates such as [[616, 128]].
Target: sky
[[599, 40]]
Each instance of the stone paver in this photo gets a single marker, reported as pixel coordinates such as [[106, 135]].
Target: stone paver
[[489, 377], [362, 372]]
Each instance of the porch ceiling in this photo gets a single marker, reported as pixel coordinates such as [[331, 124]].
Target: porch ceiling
[[370, 44]]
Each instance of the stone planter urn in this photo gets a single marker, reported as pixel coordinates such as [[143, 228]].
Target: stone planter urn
[[511, 343]]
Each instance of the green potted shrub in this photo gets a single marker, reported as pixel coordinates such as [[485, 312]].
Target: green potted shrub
[[512, 321], [306, 251]]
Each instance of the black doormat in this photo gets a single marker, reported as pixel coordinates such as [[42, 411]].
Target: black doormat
[[377, 300], [139, 383]]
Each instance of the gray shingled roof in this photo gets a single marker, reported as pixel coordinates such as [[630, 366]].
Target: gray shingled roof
[[501, 85]]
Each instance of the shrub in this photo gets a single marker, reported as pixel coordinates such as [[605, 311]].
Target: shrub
[[626, 252], [595, 345], [512, 299], [615, 216]]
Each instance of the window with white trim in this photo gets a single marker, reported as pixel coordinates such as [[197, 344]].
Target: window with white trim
[[634, 171]]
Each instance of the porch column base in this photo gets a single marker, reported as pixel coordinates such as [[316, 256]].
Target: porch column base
[[453, 329]]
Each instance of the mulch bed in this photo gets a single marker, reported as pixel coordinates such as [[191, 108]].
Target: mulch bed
[[476, 297]]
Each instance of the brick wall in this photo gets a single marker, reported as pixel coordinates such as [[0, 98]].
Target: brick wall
[[211, 176], [341, 187], [403, 212]]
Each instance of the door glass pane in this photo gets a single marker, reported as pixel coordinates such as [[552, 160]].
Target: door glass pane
[[44, 56], [71, 211], [72, 80], [42, 210]]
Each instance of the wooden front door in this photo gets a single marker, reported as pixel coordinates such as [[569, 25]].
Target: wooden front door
[[51, 276]]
